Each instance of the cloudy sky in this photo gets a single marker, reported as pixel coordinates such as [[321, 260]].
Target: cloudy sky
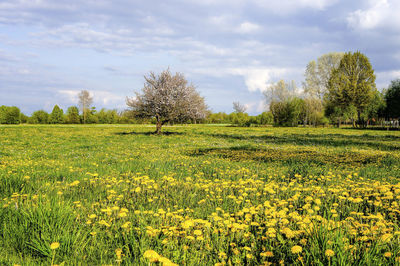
[[231, 50]]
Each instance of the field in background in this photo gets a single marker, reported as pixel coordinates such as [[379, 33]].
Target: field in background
[[198, 195]]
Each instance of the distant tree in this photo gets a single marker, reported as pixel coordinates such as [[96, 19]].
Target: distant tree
[[376, 107], [319, 72], [392, 98], [168, 98], [57, 115], [284, 105], [39, 117], [312, 112], [73, 115], [91, 116], [238, 107], [280, 92], [23, 118], [265, 118], [352, 84], [85, 101], [218, 118], [9, 115], [240, 119]]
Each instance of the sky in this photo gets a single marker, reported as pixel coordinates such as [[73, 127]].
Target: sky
[[232, 50]]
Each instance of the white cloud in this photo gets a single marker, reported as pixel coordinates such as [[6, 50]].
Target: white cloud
[[257, 79], [383, 78], [104, 98], [380, 13], [70, 95], [285, 7], [248, 27]]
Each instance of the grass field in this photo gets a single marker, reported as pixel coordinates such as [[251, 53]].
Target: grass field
[[200, 195]]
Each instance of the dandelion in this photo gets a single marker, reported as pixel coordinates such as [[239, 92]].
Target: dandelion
[[118, 253], [151, 255], [126, 225], [102, 222], [296, 249], [329, 253], [387, 254], [166, 262], [197, 233], [54, 245], [267, 254]]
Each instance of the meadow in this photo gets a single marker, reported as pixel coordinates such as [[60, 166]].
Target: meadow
[[199, 195]]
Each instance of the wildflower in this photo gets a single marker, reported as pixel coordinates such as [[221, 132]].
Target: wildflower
[[267, 254], [118, 253], [122, 214], [166, 262], [54, 245], [125, 225], [296, 249], [329, 253], [387, 254], [197, 233], [102, 222], [386, 237], [151, 255]]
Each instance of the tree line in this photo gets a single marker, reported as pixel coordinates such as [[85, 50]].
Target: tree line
[[13, 115], [338, 88]]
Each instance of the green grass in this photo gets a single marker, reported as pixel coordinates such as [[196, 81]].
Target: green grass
[[54, 177]]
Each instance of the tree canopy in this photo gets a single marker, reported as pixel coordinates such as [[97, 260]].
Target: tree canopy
[[85, 101], [352, 83], [168, 98], [392, 98], [319, 72]]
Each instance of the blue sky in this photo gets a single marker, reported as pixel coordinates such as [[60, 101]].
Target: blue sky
[[231, 50]]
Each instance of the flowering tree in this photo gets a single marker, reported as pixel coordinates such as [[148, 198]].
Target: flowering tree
[[168, 98]]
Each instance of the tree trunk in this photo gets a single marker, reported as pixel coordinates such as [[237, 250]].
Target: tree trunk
[[158, 127]]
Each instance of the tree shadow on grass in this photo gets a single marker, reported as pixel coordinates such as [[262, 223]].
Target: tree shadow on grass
[[384, 143], [290, 157], [149, 133]]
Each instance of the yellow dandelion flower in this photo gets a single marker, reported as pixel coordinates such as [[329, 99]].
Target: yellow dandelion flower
[[387, 254], [102, 222], [122, 214], [151, 255], [54, 245], [126, 225], [269, 254], [118, 252], [386, 237], [296, 249], [166, 262], [329, 253], [197, 232]]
